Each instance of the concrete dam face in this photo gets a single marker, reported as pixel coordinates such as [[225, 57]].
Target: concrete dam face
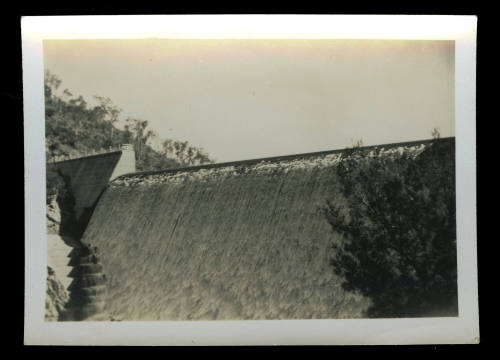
[[75, 271], [87, 177], [243, 240]]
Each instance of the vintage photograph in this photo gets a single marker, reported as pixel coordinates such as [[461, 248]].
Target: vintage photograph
[[250, 179]]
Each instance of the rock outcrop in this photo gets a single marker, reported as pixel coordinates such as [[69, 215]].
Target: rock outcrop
[[56, 298], [53, 217]]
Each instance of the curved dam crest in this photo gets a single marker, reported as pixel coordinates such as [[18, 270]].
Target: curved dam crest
[[221, 243]]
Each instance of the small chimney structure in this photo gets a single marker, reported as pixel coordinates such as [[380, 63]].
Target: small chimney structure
[[127, 161]]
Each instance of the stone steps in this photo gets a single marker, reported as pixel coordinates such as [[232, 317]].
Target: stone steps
[[87, 290], [85, 269]]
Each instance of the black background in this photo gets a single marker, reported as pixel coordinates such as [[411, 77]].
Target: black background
[[13, 169]]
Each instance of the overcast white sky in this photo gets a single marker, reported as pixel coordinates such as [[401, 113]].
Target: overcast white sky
[[243, 99]]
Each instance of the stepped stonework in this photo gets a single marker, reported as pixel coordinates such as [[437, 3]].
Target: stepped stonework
[[89, 284]]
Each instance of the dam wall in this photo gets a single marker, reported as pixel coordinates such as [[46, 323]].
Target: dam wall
[[86, 177], [241, 240], [76, 267]]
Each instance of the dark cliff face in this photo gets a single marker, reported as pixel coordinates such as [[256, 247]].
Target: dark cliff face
[[77, 184], [73, 188], [64, 217], [83, 298]]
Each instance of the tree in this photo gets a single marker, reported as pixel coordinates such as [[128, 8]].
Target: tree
[[140, 135], [396, 221], [74, 127], [110, 112], [185, 154]]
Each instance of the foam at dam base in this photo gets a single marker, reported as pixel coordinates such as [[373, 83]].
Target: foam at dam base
[[240, 241]]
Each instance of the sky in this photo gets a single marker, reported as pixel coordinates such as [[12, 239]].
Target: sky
[[244, 99]]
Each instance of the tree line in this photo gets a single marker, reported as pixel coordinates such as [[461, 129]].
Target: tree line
[[73, 126]]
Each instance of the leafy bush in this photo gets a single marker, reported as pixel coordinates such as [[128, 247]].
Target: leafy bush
[[396, 218]]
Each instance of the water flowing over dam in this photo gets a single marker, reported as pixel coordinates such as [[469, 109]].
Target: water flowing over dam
[[233, 241]]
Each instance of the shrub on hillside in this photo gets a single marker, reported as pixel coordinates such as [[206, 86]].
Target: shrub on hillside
[[396, 218]]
